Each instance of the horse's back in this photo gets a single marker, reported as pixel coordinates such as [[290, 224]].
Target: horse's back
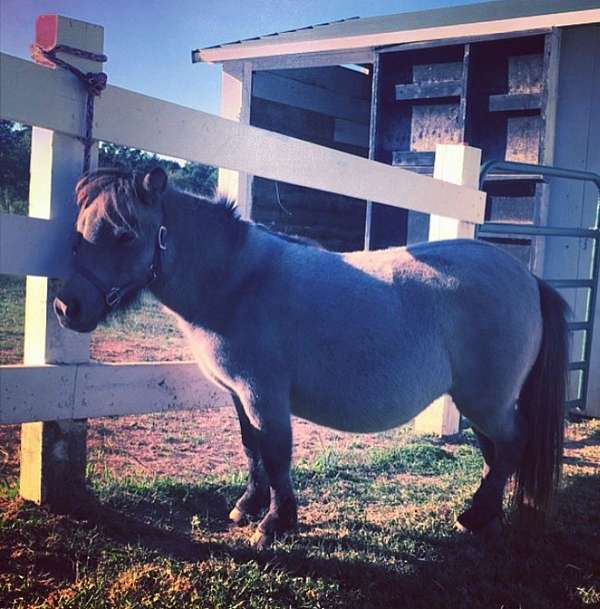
[[368, 339]]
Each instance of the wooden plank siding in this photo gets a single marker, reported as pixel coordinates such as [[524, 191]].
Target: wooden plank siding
[[570, 203]]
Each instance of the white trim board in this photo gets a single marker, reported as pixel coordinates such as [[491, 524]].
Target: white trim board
[[487, 18]]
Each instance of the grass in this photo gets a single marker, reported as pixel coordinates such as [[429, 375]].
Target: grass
[[376, 532], [12, 319]]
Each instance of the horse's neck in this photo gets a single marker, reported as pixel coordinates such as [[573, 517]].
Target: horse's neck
[[200, 266]]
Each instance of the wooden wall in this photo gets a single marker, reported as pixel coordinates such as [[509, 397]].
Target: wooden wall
[[577, 146], [327, 106], [489, 94]]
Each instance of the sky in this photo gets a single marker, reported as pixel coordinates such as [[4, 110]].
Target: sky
[[149, 42]]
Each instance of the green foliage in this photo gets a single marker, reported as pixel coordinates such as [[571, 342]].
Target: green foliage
[[15, 151], [420, 459], [15, 147], [193, 177], [326, 464], [12, 319]]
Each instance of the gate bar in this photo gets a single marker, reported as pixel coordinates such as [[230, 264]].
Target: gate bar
[[495, 228]]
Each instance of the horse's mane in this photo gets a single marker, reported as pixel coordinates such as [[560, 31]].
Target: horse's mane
[[298, 239], [119, 187]]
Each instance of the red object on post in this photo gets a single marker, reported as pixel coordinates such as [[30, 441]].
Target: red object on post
[[46, 33]]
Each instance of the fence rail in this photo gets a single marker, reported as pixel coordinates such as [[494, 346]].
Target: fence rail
[[131, 119], [79, 391]]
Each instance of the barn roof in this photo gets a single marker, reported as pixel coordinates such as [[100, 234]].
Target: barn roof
[[497, 17]]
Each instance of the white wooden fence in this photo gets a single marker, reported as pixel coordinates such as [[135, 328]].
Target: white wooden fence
[[57, 382]]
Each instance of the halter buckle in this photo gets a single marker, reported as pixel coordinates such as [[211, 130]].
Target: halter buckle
[[162, 238], [113, 297]]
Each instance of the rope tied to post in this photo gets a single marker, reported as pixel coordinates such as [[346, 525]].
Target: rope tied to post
[[94, 83]]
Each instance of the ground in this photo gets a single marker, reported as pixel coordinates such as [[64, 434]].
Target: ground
[[376, 512]]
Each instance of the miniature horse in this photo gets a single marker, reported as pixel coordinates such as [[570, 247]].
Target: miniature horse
[[361, 342]]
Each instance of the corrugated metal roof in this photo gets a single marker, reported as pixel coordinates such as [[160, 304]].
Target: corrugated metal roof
[[265, 36], [363, 32]]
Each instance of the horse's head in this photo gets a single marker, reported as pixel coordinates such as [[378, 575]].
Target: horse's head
[[119, 240]]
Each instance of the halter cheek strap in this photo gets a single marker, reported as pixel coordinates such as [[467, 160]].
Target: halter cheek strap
[[113, 295]]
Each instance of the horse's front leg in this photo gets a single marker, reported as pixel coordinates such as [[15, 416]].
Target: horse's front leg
[[272, 426], [256, 496]]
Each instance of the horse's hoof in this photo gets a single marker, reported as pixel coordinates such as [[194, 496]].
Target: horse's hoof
[[238, 518], [461, 528], [261, 540], [491, 531]]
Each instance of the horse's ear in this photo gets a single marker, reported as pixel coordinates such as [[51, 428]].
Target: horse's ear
[[80, 191], [154, 184]]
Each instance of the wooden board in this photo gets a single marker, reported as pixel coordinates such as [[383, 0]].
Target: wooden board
[[274, 87], [96, 390], [429, 90], [510, 102], [523, 138], [131, 119], [340, 80], [433, 124], [20, 251]]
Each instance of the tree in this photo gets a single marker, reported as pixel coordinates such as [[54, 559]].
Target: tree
[[193, 177], [196, 178], [15, 150]]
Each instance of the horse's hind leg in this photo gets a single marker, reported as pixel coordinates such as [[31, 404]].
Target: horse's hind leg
[[256, 496], [502, 446]]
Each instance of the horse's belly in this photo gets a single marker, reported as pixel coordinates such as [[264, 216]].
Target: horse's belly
[[357, 411]]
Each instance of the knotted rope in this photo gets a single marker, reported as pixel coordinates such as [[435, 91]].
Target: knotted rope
[[94, 83]]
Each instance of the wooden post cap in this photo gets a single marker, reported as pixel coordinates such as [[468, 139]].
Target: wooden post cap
[[46, 35]]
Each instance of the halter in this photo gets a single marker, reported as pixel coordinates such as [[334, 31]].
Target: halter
[[113, 295]]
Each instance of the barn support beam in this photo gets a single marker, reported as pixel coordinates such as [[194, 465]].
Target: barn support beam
[[236, 93], [460, 165], [53, 453]]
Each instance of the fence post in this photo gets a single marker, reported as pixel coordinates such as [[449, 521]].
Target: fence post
[[458, 164], [53, 454], [236, 92]]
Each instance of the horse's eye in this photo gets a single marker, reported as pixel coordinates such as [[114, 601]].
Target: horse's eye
[[125, 237]]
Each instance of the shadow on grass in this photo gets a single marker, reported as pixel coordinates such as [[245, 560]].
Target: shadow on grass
[[519, 570], [591, 439], [374, 565]]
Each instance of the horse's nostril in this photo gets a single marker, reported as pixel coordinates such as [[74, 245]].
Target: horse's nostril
[[67, 310], [60, 308]]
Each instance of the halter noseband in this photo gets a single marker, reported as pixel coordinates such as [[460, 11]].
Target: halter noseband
[[114, 295]]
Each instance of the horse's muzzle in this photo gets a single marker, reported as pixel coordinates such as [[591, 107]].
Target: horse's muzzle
[[68, 313]]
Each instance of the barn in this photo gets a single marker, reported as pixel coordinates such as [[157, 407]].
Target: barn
[[520, 81]]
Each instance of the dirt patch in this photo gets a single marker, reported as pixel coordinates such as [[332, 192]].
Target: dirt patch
[[184, 445], [188, 444]]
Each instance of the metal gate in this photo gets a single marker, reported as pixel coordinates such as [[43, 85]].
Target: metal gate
[[576, 406]]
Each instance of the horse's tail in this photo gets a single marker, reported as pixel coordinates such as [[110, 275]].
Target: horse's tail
[[542, 404]]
